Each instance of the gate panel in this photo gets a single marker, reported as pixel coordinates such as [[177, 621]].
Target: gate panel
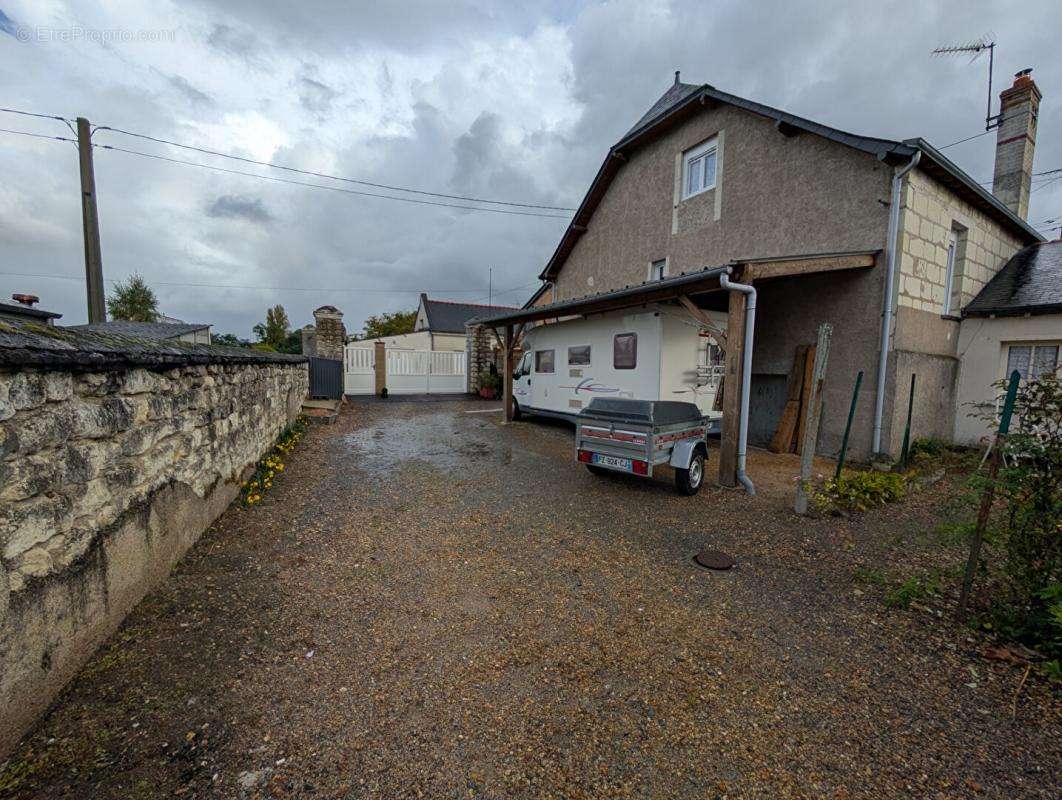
[[408, 371]]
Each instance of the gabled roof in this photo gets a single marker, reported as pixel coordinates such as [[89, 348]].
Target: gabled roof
[[682, 100], [1030, 283], [155, 331], [446, 317], [19, 310]]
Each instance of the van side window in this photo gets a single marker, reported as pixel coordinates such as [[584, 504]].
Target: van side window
[[579, 356], [625, 351], [525, 366], [543, 361]]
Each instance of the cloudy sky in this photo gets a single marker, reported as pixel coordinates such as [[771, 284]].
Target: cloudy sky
[[515, 102]]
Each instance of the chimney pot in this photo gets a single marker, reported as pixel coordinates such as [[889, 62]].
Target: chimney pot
[[28, 300], [677, 74], [1019, 110]]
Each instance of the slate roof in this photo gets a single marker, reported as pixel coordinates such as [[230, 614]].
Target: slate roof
[[683, 99], [142, 330], [1030, 283], [49, 347], [19, 310], [446, 317]]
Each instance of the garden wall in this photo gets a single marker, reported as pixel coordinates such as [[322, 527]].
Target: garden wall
[[115, 455]]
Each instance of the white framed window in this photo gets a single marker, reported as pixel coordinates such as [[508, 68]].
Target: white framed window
[[698, 168], [1032, 361], [658, 270], [953, 270], [543, 361]]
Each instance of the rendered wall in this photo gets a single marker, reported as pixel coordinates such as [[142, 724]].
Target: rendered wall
[[106, 479]]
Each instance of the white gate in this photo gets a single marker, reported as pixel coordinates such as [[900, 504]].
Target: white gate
[[408, 371]]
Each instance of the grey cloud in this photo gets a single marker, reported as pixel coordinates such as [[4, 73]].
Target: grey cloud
[[315, 95], [231, 206], [189, 92]]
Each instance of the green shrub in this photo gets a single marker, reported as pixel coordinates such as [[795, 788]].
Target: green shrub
[[490, 380], [859, 491], [928, 446], [914, 588]]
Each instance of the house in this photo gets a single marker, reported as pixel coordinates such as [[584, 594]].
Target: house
[[886, 240], [439, 325], [196, 333], [22, 310], [1014, 323]]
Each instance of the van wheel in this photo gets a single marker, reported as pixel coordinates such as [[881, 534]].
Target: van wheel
[[689, 481], [517, 413]]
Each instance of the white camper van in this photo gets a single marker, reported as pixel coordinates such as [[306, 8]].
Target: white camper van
[[655, 353]]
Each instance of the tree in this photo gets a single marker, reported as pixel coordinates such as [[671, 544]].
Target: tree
[[393, 323], [275, 330], [229, 340], [133, 301]]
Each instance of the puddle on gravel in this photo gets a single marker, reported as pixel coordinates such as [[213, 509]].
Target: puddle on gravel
[[444, 440]]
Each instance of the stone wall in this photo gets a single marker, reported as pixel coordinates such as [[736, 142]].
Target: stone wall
[[106, 478], [331, 333]]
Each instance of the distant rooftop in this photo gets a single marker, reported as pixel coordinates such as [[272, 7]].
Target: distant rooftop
[[157, 331], [447, 317], [27, 312]]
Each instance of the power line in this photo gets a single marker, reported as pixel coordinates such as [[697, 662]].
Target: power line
[[313, 174], [264, 288], [322, 186], [39, 135], [33, 114]]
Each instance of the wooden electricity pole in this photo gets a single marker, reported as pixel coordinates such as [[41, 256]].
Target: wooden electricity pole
[[90, 225]]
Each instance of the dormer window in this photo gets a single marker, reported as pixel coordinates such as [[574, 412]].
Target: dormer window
[[698, 169]]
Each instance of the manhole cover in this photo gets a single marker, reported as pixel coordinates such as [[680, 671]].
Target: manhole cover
[[713, 559]]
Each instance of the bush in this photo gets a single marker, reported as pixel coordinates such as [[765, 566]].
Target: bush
[[1024, 587], [859, 491], [490, 380]]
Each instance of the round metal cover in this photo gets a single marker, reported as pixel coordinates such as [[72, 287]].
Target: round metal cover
[[713, 559]]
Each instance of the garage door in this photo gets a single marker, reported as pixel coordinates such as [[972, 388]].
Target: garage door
[[408, 371]]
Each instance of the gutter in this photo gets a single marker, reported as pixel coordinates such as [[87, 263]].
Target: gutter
[[746, 375], [890, 281]]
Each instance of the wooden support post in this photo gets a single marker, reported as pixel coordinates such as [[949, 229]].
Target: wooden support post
[[379, 360], [813, 414], [735, 349], [90, 226], [507, 376]]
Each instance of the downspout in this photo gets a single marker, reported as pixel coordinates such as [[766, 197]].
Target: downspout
[[746, 374], [890, 281]]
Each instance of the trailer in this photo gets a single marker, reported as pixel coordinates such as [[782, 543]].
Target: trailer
[[635, 436], [655, 353]]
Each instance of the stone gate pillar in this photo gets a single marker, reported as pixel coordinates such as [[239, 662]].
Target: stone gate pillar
[[331, 334]]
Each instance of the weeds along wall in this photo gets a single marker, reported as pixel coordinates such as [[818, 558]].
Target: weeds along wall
[[114, 457]]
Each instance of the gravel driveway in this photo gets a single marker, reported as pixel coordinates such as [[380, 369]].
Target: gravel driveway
[[432, 604]]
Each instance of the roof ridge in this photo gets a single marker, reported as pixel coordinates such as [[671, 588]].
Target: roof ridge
[[459, 303]]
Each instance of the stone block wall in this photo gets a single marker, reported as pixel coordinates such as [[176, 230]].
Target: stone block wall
[[106, 479], [331, 333]]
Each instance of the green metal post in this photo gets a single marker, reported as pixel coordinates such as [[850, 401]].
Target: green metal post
[[905, 450], [989, 494], [848, 425]]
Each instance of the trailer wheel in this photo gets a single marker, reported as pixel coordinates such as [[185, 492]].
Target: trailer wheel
[[689, 481]]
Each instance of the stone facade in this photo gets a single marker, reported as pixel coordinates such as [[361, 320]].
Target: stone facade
[[106, 478], [331, 334], [481, 354], [309, 340]]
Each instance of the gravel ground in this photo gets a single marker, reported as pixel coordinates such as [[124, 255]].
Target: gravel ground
[[431, 604]]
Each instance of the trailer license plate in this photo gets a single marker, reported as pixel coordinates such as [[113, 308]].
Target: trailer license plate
[[613, 461]]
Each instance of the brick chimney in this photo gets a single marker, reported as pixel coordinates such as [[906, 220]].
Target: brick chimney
[[331, 334], [1019, 109]]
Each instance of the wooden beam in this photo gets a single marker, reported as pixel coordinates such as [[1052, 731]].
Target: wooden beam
[[759, 270], [702, 317], [728, 442], [507, 376]]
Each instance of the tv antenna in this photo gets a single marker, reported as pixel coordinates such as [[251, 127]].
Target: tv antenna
[[975, 49]]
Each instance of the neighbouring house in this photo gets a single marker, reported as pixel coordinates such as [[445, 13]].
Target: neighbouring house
[[22, 310], [1014, 323], [439, 325], [193, 332], [886, 240]]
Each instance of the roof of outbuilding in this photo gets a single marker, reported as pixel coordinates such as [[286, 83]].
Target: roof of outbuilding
[[682, 99], [19, 310], [50, 347], [1030, 283], [446, 317], [142, 330]]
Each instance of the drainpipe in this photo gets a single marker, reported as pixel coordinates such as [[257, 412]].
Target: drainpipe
[[890, 280], [746, 375]]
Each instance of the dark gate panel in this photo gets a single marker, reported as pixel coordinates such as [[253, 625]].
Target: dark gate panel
[[326, 378]]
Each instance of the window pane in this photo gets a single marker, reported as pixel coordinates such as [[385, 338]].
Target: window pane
[[579, 356], [543, 361], [693, 176], [709, 170], [625, 351], [1045, 360], [656, 273], [1018, 359]]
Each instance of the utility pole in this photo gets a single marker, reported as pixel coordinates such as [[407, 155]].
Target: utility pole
[[90, 225]]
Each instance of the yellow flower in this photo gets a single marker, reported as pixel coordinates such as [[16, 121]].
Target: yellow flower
[[280, 467]]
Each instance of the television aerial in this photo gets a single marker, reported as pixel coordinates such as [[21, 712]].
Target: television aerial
[[975, 49]]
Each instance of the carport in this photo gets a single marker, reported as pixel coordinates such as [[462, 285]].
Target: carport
[[694, 291]]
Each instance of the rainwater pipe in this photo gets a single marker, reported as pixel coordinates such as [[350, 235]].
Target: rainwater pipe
[[746, 374], [890, 281]]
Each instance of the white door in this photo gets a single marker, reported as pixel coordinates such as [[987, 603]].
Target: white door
[[522, 380]]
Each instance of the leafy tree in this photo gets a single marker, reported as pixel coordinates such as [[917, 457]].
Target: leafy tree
[[275, 330], [229, 340], [133, 301], [292, 344], [392, 323]]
